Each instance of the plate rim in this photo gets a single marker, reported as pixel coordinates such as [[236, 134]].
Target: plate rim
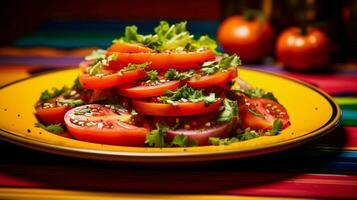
[[157, 157]]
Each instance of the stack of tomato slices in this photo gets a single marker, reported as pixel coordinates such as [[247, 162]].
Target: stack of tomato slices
[[133, 95]]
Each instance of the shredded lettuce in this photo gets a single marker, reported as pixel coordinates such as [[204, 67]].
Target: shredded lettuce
[[211, 67], [168, 37]]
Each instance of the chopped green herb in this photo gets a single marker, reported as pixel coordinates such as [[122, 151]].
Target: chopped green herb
[[173, 74], [132, 67], [156, 137], [57, 92], [224, 141], [45, 95], [248, 134], [212, 67], [229, 112], [96, 54], [96, 68], [115, 56], [71, 102], [53, 128], [205, 42], [254, 112], [77, 85], [259, 93], [188, 94], [152, 75], [277, 126], [82, 111], [183, 141]]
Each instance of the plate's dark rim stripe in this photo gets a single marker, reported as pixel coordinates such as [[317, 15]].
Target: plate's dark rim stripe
[[336, 116]]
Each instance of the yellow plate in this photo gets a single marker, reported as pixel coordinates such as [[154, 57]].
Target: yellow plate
[[312, 113]]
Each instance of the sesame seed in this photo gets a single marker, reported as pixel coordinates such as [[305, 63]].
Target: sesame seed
[[184, 100], [91, 123], [172, 102], [88, 114], [73, 92], [100, 125]]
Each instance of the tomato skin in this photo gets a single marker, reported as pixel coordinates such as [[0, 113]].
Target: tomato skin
[[219, 78], [260, 105], [251, 39], [182, 109], [52, 115], [189, 60], [121, 134], [302, 52], [125, 137], [125, 47], [110, 80], [147, 91]]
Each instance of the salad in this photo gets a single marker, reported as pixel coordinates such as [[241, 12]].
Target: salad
[[165, 89]]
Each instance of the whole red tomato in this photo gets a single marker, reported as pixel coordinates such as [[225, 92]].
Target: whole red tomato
[[301, 49], [250, 38]]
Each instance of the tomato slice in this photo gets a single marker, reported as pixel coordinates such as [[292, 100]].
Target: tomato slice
[[181, 109], [179, 60], [52, 115], [259, 113], [110, 79], [52, 111], [219, 78], [125, 47], [142, 91], [104, 124]]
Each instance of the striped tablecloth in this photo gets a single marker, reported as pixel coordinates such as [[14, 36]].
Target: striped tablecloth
[[326, 168]]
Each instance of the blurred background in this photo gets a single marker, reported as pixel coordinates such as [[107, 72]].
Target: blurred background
[[53, 29]]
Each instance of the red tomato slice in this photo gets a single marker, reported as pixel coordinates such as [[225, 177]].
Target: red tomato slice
[[125, 47], [99, 124], [181, 109], [52, 115], [219, 78], [110, 79], [259, 113], [143, 91], [186, 60]]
